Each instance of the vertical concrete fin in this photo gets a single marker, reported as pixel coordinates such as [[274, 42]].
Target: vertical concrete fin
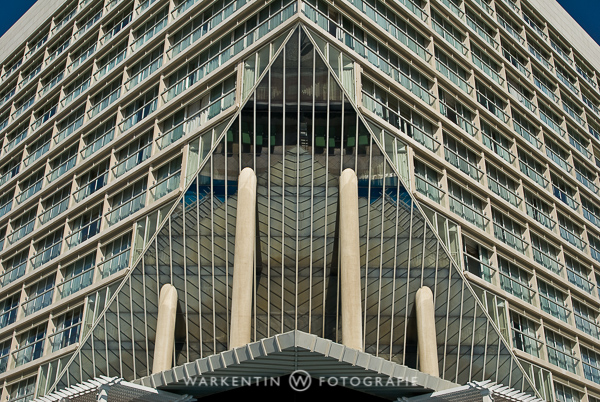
[[165, 329], [426, 333], [243, 261], [350, 261]]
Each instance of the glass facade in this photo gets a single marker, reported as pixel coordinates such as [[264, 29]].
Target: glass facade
[[472, 127]]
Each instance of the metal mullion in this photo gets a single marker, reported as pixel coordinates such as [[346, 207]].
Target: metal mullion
[[447, 310], [143, 262], [325, 273], [132, 330], [254, 282], [380, 239], [462, 295], [212, 244], [298, 177], [197, 211], [105, 343], [424, 246], [285, 50], [269, 199], [406, 301], [312, 200], [473, 337], [394, 271], [184, 246]]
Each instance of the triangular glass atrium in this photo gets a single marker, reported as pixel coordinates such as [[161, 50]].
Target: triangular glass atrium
[[298, 130]]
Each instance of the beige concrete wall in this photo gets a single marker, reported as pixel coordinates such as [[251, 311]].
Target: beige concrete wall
[[27, 25]]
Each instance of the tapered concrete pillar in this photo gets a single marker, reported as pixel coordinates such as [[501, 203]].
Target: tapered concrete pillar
[[350, 261], [243, 261], [165, 329], [426, 333]]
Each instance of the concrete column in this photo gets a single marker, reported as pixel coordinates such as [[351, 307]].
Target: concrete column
[[350, 261], [165, 329], [243, 261], [426, 333]]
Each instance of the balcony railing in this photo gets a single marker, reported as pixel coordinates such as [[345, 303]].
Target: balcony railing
[[104, 102], [194, 122], [429, 189], [547, 261], [30, 191], [227, 53], [487, 69], [91, 187], [580, 147], [553, 308], [62, 169], [454, 8], [47, 254], [421, 136], [76, 282], [11, 275], [132, 161], [586, 325], [503, 191], [144, 73], [490, 105], [463, 164], [526, 134], [26, 354], [67, 131], [498, 148], [81, 59], [540, 216], [572, 238], [37, 153], [75, 92], [126, 209], [146, 36], [16, 140], [165, 186], [112, 63], [511, 31], [84, 233], [98, 144], [21, 231], [468, 212], [556, 158], [571, 112], [391, 27], [541, 58], [115, 263], [54, 210], [579, 280], [116, 29], [39, 302], [509, 238], [586, 181], [516, 288], [453, 76], [455, 42], [471, 23], [564, 197], [457, 119], [138, 115], [88, 24], [521, 98], [51, 84], [591, 216], [567, 82], [44, 118]]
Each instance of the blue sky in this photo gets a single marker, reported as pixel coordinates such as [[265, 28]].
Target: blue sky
[[585, 12]]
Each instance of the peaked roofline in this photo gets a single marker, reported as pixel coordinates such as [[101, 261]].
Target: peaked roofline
[[328, 359]]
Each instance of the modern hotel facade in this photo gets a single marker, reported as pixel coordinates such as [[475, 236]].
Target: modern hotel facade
[[187, 186]]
